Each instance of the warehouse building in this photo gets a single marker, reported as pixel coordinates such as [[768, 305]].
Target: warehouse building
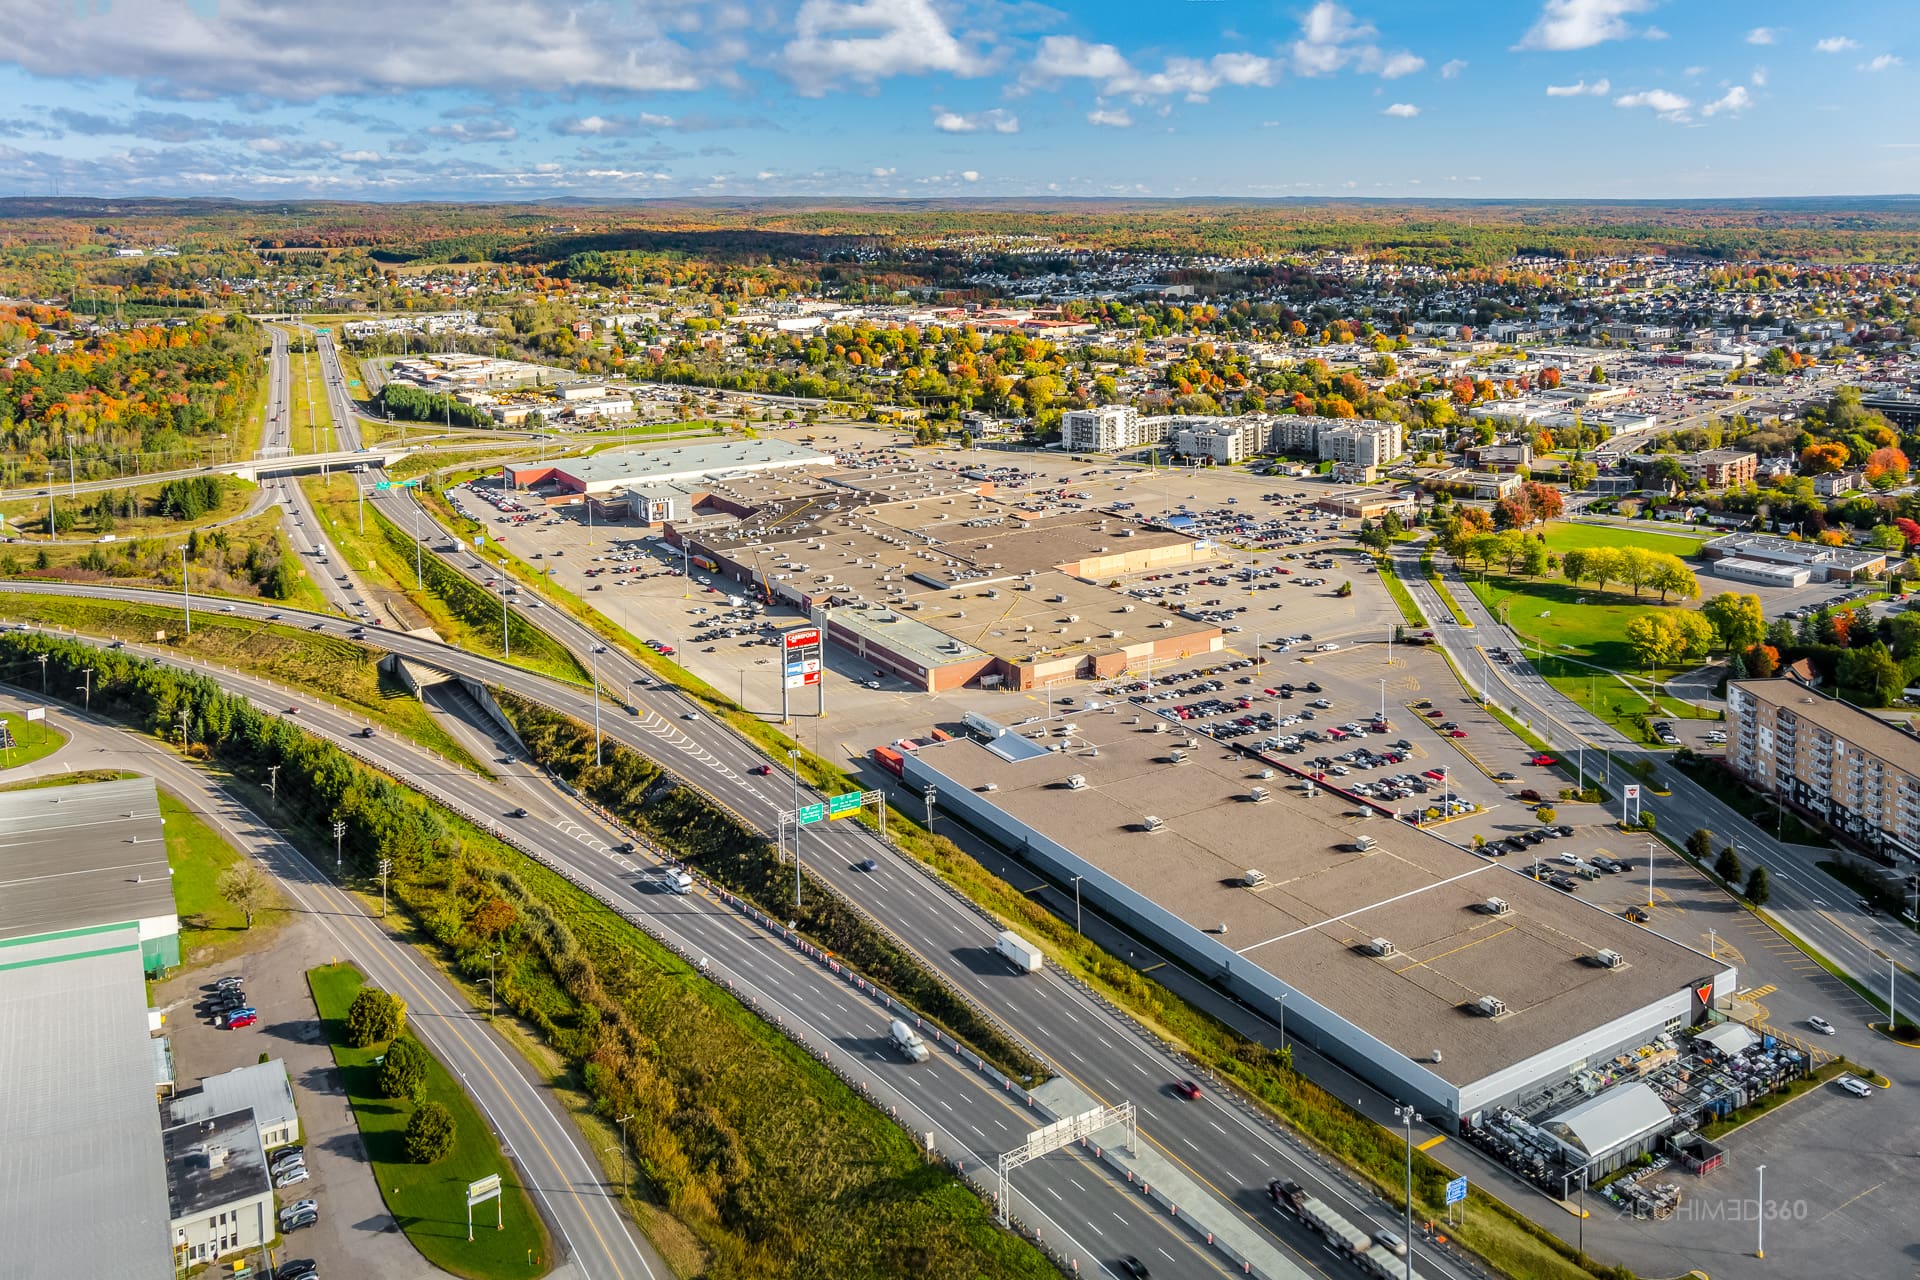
[[600, 475], [1445, 979], [1823, 563], [1847, 767], [87, 915]]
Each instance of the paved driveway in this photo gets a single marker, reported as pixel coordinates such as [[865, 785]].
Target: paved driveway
[[355, 1235]]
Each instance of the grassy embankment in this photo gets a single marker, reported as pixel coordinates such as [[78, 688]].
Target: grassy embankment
[[319, 666], [27, 517], [1401, 597], [210, 926], [463, 612], [32, 739], [429, 1200]]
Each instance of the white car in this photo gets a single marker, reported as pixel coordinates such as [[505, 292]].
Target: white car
[[1856, 1086], [296, 1174], [1820, 1024]]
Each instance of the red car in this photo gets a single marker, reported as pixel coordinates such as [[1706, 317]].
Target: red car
[[1459, 733], [244, 1020], [1187, 1089], [1545, 761], [762, 770]]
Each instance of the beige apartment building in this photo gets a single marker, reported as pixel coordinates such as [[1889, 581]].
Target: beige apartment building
[[1851, 769]]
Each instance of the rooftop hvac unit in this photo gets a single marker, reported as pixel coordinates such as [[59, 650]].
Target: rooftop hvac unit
[[1496, 906], [1489, 1006], [1381, 947], [1257, 795], [1152, 823], [1159, 726], [1056, 598], [1176, 756], [1073, 617], [1126, 608], [1609, 959], [1254, 879], [1076, 782], [1114, 635]]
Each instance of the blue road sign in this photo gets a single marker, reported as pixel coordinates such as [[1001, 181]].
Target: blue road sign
[[1456, 1191]]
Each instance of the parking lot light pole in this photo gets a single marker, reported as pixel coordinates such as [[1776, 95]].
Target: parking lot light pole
[[1407, 1115], [1649, 875], [273, 783], [1760, 1218], [1076, 905]]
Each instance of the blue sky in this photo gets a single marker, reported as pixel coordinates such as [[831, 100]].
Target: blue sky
[[522, 99]]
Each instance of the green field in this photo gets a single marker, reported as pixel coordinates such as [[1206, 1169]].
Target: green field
[[320, 665], [429, 1200], [306, 393], [209, 924], [1562, 536], [32, 739]]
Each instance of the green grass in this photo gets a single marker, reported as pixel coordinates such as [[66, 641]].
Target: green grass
[[306, 392], [1562, 536], [209, 924], [30, 514], [32, 740], [321, 666], [1557, 616], [1440, 586], [463, 612], [1398, 590], [429, 1200]]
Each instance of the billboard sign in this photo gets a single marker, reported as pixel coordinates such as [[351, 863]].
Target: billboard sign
[[801, 647]]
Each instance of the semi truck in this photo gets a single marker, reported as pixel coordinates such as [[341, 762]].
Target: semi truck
[[1342, 1235], [1022, 954], [908, 1041]]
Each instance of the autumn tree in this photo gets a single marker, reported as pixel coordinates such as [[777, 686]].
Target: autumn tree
[[1738, 620], [244, 887], [1822, 459]]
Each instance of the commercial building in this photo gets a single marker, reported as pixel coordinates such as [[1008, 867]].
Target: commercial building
[[1368, 444], [1369, 503], [1823, 563], [1761, 573], [1900, 408], [1109, 427], [1852, 770], [1721, 468], [603, 473], [262, 1089], [87, 914], [1452, 981], [219, 1193]]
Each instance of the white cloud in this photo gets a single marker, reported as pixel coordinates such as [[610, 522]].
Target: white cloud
[[883, 173], [1581, 24], [971, 175], [1402, 110], [360, 157], [1451, 70], [998, 120], [1070, 58], [1761, 35], [1733, 102], [872, 40], [1668, 105], [1114, 119], [597, 126], [1580, 88], [1331, 38], [282, 51], [1759, 78], [1835, 44], [486, 129], [1885, 62]]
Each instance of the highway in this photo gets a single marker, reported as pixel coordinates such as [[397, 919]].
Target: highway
[[1077, 1206], [581, 1208], [1817, 908]]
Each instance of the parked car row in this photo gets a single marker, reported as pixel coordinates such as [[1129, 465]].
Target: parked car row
[[227, 1003]]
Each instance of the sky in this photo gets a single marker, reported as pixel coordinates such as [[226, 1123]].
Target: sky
[[531, 99]]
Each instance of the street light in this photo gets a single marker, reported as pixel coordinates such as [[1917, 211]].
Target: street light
[[1407, 1115], [491, 957], [595, 655], [622, 1122], [1760, 1218], [88, 673], [43, 674], [186, 596], [1076, 905], [793, 765]]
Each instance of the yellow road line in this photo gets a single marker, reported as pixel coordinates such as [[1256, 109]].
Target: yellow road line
[[1430, 1143]]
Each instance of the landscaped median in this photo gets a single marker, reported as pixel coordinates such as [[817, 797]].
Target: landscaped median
[[28, 740], [429, 1201]]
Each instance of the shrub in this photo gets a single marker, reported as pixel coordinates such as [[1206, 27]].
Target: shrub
[[403, 1073], [429, 1133], [374, 1017]]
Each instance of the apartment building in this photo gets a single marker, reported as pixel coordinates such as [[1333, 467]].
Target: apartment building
[[1848, 768], [1110, 426], [1721, 468], [1366, 444], [1222, 440]]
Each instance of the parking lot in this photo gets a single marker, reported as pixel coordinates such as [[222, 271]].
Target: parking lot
[[352, 1233]]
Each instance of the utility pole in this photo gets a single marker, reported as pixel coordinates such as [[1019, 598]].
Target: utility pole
[[491, 957], [386, 867], [598, 649], [1407, 1115], [88, 672], [339, 833], [183, 727], [43, 674], [273, 783], [793, 764], [186, 595], [622, 1122]]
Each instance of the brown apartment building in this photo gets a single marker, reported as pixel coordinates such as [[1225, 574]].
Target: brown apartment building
[[1851, 769]]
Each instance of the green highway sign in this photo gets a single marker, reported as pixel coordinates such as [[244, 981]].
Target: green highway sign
[[811, 813], [843, 804]]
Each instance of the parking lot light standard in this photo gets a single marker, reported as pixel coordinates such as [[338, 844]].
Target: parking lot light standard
[[1407, 1115], [1760, 1218]]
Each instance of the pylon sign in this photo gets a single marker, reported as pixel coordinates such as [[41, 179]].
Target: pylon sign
[[801, 648]]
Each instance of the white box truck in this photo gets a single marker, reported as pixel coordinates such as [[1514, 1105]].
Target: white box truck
[[1025, 956], [673, 881], [908, 1041]]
